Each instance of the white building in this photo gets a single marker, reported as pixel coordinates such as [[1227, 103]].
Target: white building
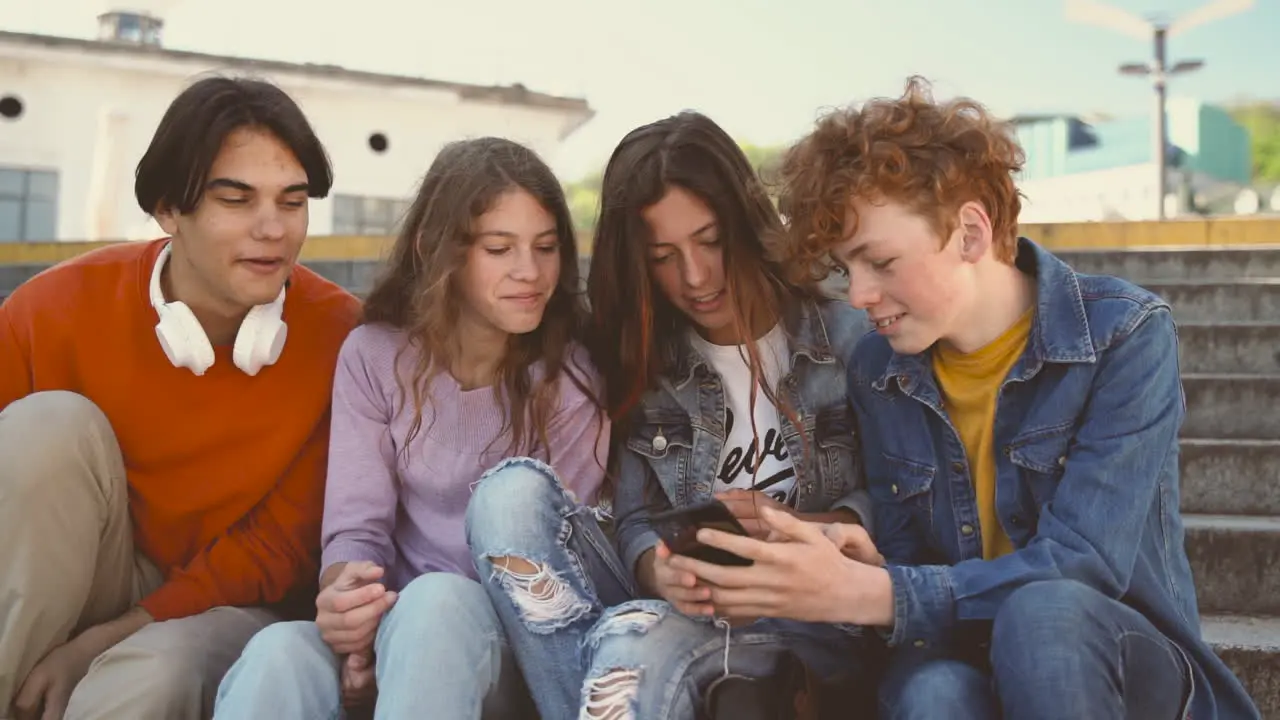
[[76, 115], [1081, 171]]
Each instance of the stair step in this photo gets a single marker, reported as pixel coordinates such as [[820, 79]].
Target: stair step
[[1237, 347], [355, 275], [11, 276], [1250, 646], [1163, 263], [1193, 301], [1235, 563], [1254, 299], [1232, 406], [1230, 477]]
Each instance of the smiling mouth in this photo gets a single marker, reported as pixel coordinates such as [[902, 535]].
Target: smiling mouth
[[884, 323], [704, 301]]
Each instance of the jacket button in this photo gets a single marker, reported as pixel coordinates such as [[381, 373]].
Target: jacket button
[[659, 443], [966, 529], [1062, 461], [918, 643], [957, 467], [893, 489]]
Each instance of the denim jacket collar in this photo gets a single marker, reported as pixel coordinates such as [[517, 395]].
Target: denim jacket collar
[[806, 333], [1064, 338]]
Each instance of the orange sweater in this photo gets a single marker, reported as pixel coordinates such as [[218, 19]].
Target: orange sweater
[[226, 471]]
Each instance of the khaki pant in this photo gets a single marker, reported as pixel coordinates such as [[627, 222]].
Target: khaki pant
[[67, 562]]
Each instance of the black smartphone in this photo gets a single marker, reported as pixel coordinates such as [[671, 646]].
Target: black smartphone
[[678, 528]]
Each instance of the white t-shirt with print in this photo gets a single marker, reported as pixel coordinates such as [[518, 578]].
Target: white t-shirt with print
[[743, 448]]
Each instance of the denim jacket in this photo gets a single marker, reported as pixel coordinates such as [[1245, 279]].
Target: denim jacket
[[677, 431], [1086, 427]]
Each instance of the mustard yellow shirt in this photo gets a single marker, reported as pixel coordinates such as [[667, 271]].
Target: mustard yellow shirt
[[969, 383]]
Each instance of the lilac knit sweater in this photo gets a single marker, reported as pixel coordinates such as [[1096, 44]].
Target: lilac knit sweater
[[405, 509]]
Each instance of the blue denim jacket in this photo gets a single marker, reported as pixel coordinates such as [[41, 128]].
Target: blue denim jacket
[[1087, 429], [677, 431]]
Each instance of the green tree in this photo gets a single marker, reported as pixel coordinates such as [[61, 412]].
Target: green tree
[[764, 158], [1262, 120], [583, 194], [583, 197]]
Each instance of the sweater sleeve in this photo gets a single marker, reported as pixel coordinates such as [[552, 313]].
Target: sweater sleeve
[[264, 556], [361, 494], [15, 363], [579, 436]]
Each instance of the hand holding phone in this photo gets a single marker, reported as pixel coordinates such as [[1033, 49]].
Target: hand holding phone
[[746, 506], [678, 529], [681, 588]]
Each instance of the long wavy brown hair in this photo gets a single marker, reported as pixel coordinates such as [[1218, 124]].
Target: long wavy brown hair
[[418, 290], [635, 329]]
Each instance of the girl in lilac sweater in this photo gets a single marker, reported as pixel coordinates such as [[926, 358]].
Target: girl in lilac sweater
[[469, 364]]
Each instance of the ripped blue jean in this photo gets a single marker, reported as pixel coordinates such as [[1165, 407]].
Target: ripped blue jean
[[520, 510], [583, 640]]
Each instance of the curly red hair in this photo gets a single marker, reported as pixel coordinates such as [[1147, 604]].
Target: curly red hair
[[930, 156]]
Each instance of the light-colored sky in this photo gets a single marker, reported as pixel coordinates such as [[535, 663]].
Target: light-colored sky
[[761, 68]]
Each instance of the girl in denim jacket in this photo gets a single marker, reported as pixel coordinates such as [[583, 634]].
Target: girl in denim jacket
[[724, 379]]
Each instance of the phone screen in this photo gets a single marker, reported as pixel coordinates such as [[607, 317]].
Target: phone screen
[[679, 529]]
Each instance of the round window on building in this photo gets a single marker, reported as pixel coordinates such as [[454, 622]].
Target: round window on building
[[10, 107], [378, 142]]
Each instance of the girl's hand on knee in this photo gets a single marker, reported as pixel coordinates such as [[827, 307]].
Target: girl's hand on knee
[[349, 609], [359, 681]]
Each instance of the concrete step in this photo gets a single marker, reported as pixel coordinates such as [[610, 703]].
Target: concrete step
[[1230, 477], [1253, 296], [1250, 646], [1229, 347], [1235, 562], [1154, 264], [1194, 301], [1232, 406], [354, 275], [11, 276], [1252, 300]]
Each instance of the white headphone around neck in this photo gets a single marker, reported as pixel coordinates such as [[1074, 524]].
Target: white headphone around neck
[[258, 343]]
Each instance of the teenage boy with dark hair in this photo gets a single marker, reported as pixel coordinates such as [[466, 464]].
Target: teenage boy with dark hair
[[164, 419]]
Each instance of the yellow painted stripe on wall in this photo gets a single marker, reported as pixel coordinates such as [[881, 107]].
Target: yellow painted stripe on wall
[[1060, 236], [1175, 233], [325, 247]]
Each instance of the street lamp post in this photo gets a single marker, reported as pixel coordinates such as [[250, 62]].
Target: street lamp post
[[1159, 31]]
